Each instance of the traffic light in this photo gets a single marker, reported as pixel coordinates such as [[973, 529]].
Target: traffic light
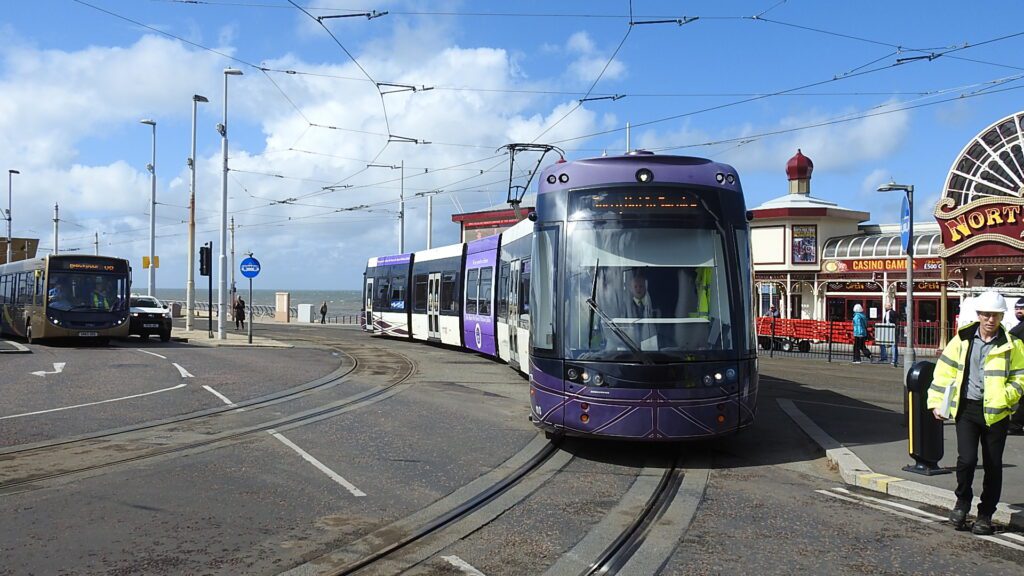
[[204, 260]]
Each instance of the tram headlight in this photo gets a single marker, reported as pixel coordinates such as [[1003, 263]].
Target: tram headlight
[[598, 380], [585, 376], [644, 176], [730, 374], [708, 380], [573, 374]]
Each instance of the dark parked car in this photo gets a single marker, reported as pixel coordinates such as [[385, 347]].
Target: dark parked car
[[149, 316]]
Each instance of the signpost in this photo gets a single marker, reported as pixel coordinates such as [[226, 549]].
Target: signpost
[[905, 224], [250, 268]]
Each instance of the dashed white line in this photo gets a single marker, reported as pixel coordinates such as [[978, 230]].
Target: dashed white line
[[309, 458], [184, 373], [92, 403], [1001, 542], [151, 353], [892, 504], [305, 455], [221, 396], [462, 565], [875, 506]]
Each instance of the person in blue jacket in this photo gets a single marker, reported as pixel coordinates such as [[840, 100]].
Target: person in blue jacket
[[860, 334]]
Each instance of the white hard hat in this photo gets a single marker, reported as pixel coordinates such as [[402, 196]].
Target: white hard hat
[[990, 302], [858, 308]]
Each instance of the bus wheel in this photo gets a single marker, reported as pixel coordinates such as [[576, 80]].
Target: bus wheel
[[28, 334]]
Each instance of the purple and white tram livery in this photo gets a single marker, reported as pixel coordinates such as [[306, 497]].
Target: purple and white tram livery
[[386, 286], [478, 309], [436, 276], [513, 296], [640, 304]]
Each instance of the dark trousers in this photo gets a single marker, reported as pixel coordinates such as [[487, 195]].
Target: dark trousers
[[323, 317], [970, 431], [1017, 420], [858, 346]]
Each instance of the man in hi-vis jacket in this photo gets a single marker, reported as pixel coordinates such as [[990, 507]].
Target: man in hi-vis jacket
[[978, 381]]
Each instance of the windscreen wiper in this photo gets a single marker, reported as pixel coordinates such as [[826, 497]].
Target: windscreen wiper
[[640, 354]]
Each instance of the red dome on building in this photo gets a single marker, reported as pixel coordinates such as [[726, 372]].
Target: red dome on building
[[799, 167]]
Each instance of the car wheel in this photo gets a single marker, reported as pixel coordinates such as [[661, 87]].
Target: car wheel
[[165, 336]]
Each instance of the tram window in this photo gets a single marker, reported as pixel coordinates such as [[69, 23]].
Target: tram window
[[503, 276], [3, 289], [419, 293], [398, 288], [472, 290], [524, 289], [485, 291], [381, 299], [449, 303]]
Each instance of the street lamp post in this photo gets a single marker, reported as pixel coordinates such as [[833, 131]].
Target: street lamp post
[[909, 356], [223, 261], [152, 213], [190, 278], [430, 214], [190, 284], [10, 248]]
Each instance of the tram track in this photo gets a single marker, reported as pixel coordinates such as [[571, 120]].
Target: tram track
[[24, 470]]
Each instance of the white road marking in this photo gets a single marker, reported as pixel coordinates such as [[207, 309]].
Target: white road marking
[[184, 373], [92, 403], [151, 353], [893, 504], [319, 465], [221, 396], [462, 565], [1013, 536], [17, 346], [305, 455], [58, 367], [1001, 542], [875, 506]]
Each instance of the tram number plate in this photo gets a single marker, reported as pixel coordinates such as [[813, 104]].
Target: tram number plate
[[88, 334], [150, 325]]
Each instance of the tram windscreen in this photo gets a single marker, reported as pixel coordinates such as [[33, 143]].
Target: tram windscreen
[[86, 291], [664, 289]]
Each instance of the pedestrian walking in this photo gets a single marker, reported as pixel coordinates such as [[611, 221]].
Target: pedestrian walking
[[890, 316], [978, 381], [323, 312], [240, 314], [1017, 420], [860, 334]]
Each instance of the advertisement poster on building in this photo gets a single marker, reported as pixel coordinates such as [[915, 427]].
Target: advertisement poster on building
[[805, 244]]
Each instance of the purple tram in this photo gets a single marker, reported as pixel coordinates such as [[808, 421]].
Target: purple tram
[[640, 306]]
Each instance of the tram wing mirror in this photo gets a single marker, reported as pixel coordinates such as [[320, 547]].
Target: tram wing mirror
[[532, 216], [919, 377]]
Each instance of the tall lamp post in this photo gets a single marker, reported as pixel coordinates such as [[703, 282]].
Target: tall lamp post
[[190, 284], [152, 212], [430, 214], [401, 202], [223, 261], [909, 357], [10, 248]]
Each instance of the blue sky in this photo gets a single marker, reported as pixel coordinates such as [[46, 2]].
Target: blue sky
[[76, 80]]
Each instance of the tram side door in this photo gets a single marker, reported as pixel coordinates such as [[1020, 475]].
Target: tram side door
[[434, 305], [369, 305], [513, 313]]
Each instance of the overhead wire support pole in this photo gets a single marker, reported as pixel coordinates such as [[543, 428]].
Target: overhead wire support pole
[[190, 284], [10, 248], [56, 227], [151, 288], [222, 260]]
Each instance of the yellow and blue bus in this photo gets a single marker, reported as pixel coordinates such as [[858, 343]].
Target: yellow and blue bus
[[65, 296]]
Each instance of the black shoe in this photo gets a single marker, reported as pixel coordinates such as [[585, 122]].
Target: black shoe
[[958, 518], [983, 526]]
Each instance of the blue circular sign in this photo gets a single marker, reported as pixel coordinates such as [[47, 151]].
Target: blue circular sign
[[250, 267]]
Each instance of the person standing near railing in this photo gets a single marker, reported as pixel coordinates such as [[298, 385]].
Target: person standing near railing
[[860, 334]]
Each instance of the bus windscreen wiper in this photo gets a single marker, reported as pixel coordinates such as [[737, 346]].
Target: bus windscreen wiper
[[640, 354]]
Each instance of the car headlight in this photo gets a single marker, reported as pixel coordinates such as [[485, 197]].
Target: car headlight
[[135, 314]]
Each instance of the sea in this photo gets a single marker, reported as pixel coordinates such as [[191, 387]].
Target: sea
[[338, 301]]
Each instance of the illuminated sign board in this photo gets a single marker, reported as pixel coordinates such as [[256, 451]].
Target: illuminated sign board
[[108, 266], [996, 219], [666, 201], [880, 265]]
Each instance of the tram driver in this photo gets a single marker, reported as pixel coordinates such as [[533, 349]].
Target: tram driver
[[640, 308]]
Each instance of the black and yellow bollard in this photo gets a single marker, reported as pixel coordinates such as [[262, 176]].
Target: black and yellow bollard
[[924, 431]]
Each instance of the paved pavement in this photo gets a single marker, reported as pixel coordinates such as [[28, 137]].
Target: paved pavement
[[856, 415]]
